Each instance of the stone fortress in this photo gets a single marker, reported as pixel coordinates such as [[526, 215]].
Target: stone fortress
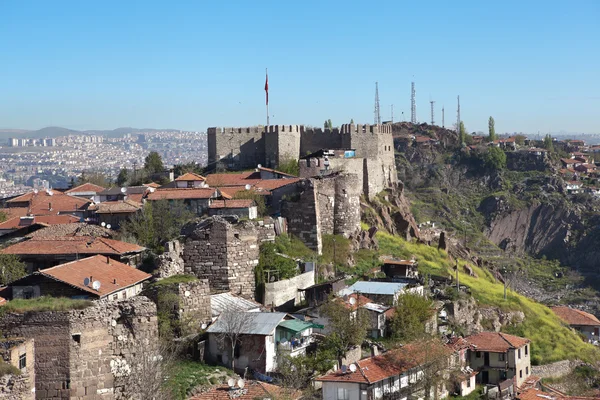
[[372, 158]]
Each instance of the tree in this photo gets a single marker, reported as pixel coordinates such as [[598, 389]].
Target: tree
[[326, 124], [3, 216], [348, 326], [95, 178], [351, 120], [494, 158], [296, 372], [410, 317], [548, 143], [153, 163], [492, 129], [289, 166], [462, 132], [232, 325], [11, 268], [123, 177], [192, 167], [329, 124], [258, 199], [520, 140]]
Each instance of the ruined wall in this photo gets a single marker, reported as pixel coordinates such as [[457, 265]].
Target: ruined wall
[[346, 205], [303, 216], [22, 386], [171, 261], [222, 253], [285, 292], [194, 299], [95, 353], [555, 370], [325, 189]]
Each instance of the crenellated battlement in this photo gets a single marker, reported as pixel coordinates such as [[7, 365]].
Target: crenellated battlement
[[284, 129], [375, 129], [248, 129]]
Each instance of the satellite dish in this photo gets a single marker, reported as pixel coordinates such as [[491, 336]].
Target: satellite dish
[[108, 226], [96, 285], [123, 190], [259, 166], [344, 369], [203, 326], [103, 224], [231, 382], [86, 281], [151, 190], [352, 301], [352, 367], [50, 193], [35, 191], [241, 383], [247, 186]]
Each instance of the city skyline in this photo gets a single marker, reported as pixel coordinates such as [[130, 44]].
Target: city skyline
[[191, 66]]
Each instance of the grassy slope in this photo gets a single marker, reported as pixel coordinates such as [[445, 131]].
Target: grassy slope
[[187, 375], [551, 339]]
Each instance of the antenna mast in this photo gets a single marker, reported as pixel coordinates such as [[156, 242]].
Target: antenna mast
[[443, 125], [377, 113], [392, 113], [413, 106], [432, 113]]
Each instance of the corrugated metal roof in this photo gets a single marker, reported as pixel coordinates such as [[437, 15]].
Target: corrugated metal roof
[[227, 301], [295, 325], [259, 323], [375, 307], [389, 288]]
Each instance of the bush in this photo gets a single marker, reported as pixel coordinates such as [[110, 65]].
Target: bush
[[494, 158], [44, 303]]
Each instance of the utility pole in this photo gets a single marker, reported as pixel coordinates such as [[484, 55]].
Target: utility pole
[[443, 125], [413, 105], [432, 102], [392, 113], [377, 110]]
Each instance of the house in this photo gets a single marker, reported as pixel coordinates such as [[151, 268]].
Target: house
[[382, 292], [570, 162], [505, 143], [464, 376], [197, 200], [318, 294], [537, 151], [87, 190], [243, 208], [227, 301], [377, 315], [113, 213], [573, 187], [264, 335], [42, 253], [74, 229], [583, 322], [478, 139], [31, 223], [248, 390], [135, 193], [97, 277], [395, 374], [400, 269], [49, 202], [499, 357], [188, 180]]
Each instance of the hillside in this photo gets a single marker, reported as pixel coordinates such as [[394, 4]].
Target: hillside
[[56, 131]]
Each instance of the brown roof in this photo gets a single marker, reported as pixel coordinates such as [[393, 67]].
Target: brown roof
[[72, 245], [20, 222], [115, 207], [272, 184], [112, 275], [496, 342], [43, 203], [75, 229], [15, 211], [190, 176], [252, 390], [240, 203], [86, 187], [573, 316], [182, 193], [237, 179], [152, 185]]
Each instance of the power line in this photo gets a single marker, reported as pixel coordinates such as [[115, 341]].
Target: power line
[[377, 111]]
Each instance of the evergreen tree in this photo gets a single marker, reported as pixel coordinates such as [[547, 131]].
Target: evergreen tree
[[462, 132], [123, 177], [548, 145], [153, 163], [492, 129]]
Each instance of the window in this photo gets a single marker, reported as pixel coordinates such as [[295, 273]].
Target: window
[[124, 294], [478, 354], [342, 394], [66, 384], [76, 337], [22, 361], [115, 296], [526, 370], [520, 373], [519, 353], [501, 357], [469, 383], [526, 349], [190, 184]]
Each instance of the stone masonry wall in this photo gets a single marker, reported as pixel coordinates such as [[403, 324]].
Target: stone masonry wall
[[22, 386], [222, 253], [285, 292], [555, 370], [303, 216], [347, 205], [171, 261], [245, 146]]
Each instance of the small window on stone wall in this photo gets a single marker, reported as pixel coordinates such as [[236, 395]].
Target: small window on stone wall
[[76, 337], [236, 235], [66, 384], [206, 236], [22, 361]]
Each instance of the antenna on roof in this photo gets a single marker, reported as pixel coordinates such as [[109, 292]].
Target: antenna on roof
[[231, 383], [123, 190], [241, 383], [248, 187], [103, 224], [96, 285], [108, 226], [35, 191], [86, 281], [352, 367], [352, 301], [259, 166]]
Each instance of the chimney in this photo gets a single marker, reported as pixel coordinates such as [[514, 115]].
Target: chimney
[[91, 279], [115, 281], [107, 259], [50, 206]]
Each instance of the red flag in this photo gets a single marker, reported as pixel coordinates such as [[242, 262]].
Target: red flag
[[267, 88]]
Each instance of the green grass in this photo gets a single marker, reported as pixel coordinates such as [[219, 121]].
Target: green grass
[[293, 247], [8, 369], [44, 303], [186, 375], [175, 279]]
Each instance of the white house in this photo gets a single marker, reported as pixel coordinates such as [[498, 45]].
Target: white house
[[583, 322]]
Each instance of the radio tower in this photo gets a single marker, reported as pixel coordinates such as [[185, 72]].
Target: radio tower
[[377, 113], [413, 105], [458, 116], [443, 117], [392, 113], [432, 115]]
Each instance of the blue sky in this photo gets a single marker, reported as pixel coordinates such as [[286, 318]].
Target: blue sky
[[531, 64]]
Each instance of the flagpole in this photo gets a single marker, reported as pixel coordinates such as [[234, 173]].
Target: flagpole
[[267, 93]]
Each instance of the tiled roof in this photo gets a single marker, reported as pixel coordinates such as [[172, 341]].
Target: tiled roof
[[152, 185], [43, 203], [129, 190], [496, 342], [272, 184], [237, 179], [573, 316], [358, 299], [75, 229], [109, 207], [20, 222], [569, 161], [252, 390], [240, 203], [399, 262], [276, 172], [190, 176], [112, 275], [15, 211], [86, 187], [231, 191], [72, 245], [181, 194]]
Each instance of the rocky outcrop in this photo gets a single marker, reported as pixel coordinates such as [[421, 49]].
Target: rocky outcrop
[[466, 314]]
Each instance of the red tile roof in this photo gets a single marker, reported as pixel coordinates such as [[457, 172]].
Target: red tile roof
[[237, 179], [358, 300], [496, 342], [252, 390], [86, 187], [15, 211], [112, 275], [116, 207], [240, 203], [72, 245], [272, 184], [20, 222], [42, 203], [190, 176], [152, 185], [573, 316], [181, 194]]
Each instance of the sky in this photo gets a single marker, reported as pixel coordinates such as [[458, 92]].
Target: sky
[[532, 65]]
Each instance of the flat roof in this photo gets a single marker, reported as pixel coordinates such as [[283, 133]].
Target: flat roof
[[385, 288]]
